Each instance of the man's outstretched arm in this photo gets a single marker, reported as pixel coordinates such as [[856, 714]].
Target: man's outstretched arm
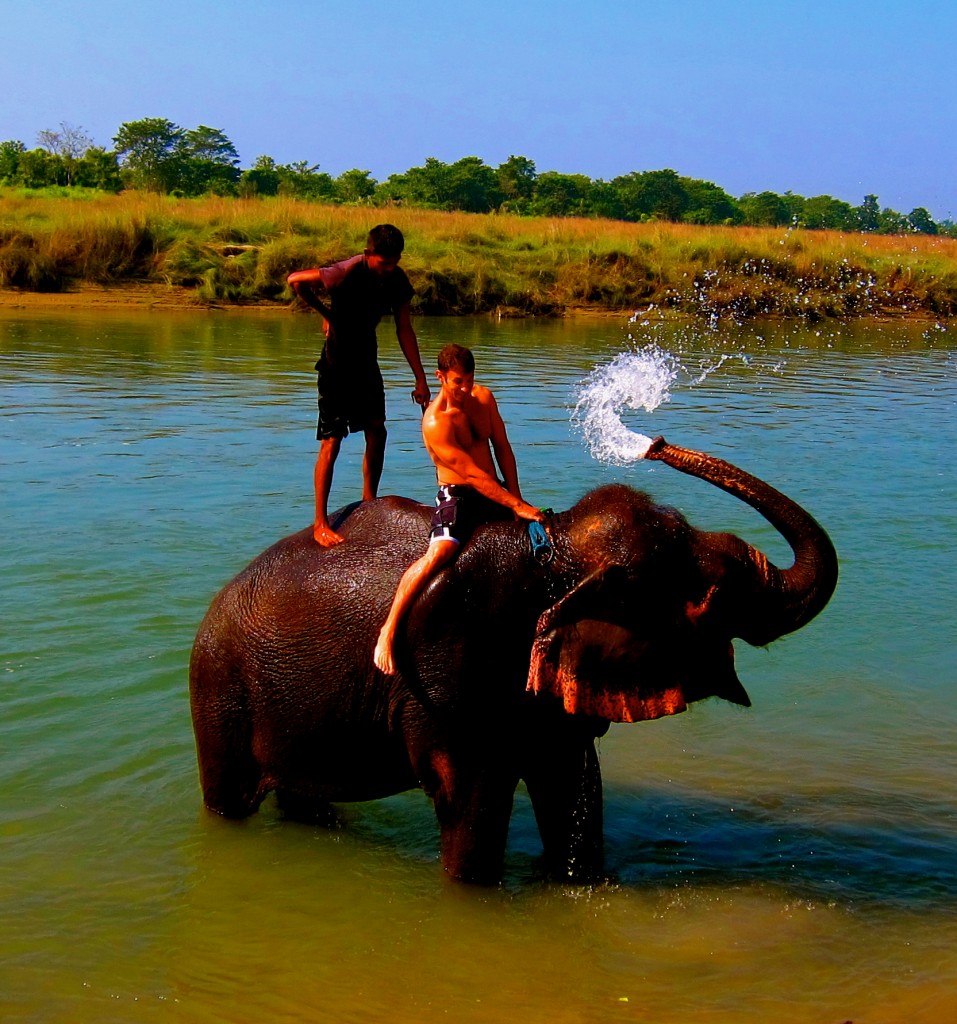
[[409, 344]]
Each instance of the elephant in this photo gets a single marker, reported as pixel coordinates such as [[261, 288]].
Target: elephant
[[511, 663]]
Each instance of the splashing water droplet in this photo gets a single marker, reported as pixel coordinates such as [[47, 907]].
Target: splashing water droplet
[[632, 380]]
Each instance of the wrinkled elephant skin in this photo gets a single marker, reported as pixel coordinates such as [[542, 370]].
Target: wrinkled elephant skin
[[510, 666]]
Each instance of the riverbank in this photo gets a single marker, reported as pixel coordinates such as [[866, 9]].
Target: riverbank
[[146, 297], [91, 296], [167, 298], [159, 252]]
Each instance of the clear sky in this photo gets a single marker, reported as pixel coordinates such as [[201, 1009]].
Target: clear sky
[[842, 97]]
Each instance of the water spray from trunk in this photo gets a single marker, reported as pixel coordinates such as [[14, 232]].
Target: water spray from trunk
[[632, 380], [640, 379]]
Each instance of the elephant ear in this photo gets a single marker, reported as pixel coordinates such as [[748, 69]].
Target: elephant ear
[[603, 654]]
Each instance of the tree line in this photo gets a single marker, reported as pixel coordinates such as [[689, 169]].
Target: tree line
[[157, 155]]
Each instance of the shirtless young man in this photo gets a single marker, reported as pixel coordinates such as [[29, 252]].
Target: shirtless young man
[[461, 429]]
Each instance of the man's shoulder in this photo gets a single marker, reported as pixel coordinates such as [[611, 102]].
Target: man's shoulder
[[436, 413], [483, 395], [336, 273], [354, 275], [440, 419]]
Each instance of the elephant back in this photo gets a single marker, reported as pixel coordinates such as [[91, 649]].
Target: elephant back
[[393, 521], [298, 602]]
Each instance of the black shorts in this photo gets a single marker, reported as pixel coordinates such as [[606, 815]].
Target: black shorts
[[348, 401], [459, 509]]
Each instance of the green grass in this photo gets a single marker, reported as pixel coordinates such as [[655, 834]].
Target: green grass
[[240, 251]]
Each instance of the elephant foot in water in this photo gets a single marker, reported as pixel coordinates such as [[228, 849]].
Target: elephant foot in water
[[564, 785]]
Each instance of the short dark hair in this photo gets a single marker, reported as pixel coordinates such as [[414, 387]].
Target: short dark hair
[[385, 240], [456, 355]]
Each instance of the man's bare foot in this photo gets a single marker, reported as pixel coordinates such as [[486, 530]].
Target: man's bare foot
[[326, 536], [383, 656]]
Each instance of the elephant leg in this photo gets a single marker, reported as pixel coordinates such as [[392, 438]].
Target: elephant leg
[[229, 773], [473, 809], [564, 784]]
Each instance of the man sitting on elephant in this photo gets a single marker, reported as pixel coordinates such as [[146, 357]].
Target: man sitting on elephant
[[461, 428]]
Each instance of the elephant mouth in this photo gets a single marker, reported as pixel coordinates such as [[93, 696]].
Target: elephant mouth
[[607, 671]]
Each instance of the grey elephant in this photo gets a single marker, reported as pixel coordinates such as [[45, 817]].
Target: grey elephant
[[512, 662]]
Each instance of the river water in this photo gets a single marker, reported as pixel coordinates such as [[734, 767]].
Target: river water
[[793, 862]]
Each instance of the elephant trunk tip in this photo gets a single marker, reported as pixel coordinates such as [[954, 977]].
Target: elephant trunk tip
[[654, 449]]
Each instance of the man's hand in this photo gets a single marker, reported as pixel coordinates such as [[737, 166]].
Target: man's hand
[[421, 394], [526, 511]]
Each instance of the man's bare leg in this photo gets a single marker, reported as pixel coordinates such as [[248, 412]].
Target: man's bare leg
[[322, 477], [372, 460], [410, 586]]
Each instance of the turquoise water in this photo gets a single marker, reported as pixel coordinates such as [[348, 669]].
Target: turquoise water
[[793, 862]]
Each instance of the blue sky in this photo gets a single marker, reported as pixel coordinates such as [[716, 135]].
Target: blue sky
[[842, 98]]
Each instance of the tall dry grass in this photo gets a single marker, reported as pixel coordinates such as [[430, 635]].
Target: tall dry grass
[[241, 250]]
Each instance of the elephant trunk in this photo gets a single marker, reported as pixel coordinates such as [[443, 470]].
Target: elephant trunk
[[787, 598]]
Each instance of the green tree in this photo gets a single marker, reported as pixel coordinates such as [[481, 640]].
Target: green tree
[[10, 153], [516, 181], [708, 203], [428, 185], [98, 168], [920, 220], [150, 150], [890, 222], [468, 184], [604, 201], [868, 214], [795, 205], [391, 192], [38, 168], [472, 186], [262, 179], [303, 180], [561, 195], [355, 186], [666, 194], [68, 142], [208, 162], [765, 209], [827, 213], [652, 194]]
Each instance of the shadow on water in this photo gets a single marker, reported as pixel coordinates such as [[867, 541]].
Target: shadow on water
[[688, 839], [655, 839]]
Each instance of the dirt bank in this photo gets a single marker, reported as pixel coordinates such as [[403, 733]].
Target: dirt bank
[[169, 297], [126, 296]]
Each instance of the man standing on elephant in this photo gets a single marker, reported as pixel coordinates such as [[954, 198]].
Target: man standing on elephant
[[360, 291], [461, 429]]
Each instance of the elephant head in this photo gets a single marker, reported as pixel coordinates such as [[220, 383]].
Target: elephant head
[[650, 605]]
